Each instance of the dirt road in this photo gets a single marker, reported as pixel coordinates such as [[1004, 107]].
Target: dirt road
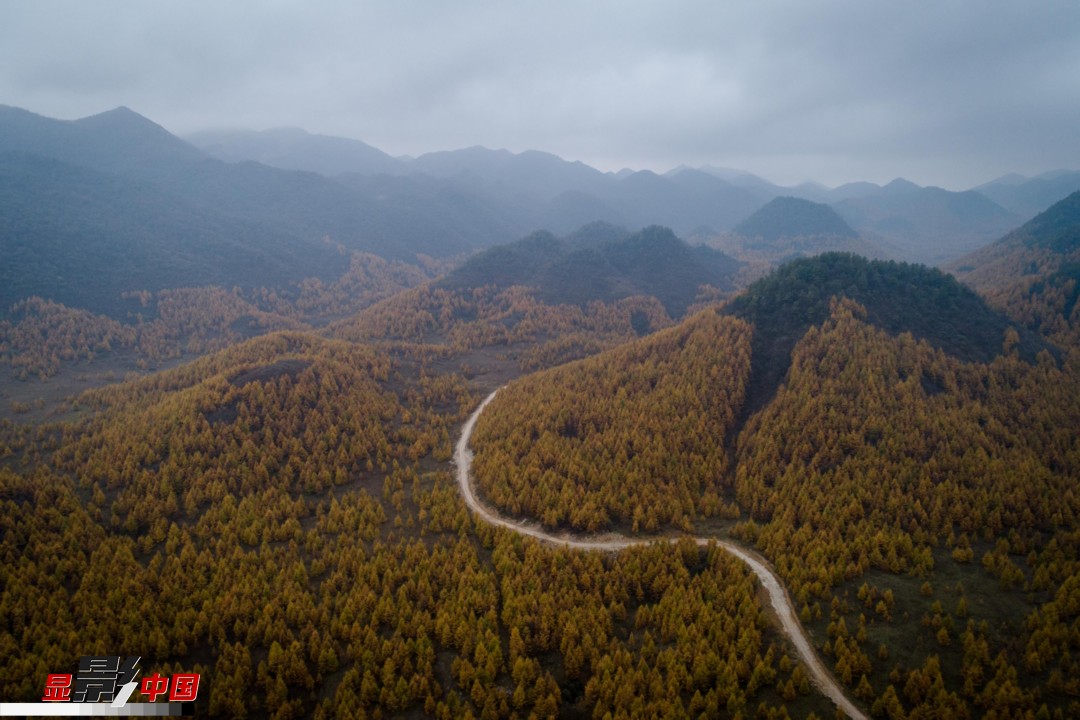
[[778, 597]]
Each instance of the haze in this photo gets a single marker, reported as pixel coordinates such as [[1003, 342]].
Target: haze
[[952, 94]]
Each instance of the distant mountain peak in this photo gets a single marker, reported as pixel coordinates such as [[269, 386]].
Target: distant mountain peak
[[901, 185], [794, 217], [121, 116], [1008, 180], [292, 148]]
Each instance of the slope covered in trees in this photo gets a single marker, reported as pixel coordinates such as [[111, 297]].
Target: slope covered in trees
[[631, 437], [39, 337], [277, 518], [1033, 273], [886, 463], [603, 263], [898, 297], [83, 238], [918, 492]]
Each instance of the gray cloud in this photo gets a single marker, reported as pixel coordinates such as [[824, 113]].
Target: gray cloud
[[951, 93]]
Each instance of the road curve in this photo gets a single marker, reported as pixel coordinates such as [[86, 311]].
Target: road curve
[[778, 597]]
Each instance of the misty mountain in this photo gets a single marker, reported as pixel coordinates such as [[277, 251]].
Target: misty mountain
[[684, 201], [738, 178], [533, 174], [119, 141], [449, 206], [788, 217], [928, 225], [1028, 196], [565, 194], [851, 190], [306, 204], [455, 202], [83, 237], [600, 262], [789, 227], [573, 209], [528, 190], [296, 149]]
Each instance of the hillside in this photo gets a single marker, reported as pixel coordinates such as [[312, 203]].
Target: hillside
[[750, 343], [876, 477], [83, 238], [600, 262], [897, 297], [1033, 273], [550, 445], [281, 519]]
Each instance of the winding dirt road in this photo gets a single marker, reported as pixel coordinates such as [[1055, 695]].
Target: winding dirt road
[[778, 597]]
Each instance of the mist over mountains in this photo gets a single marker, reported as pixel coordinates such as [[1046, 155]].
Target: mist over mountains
[[117, 197], [901, 219]]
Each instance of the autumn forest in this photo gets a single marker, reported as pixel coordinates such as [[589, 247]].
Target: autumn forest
[[256, 484]]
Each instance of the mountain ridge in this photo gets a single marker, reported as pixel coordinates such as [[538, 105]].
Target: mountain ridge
[[601, 262]]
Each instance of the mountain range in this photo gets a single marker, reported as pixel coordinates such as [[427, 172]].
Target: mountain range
[[92, 201], [909, 222]]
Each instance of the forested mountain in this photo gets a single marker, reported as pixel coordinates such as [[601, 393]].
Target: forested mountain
[[280, 518], [1033, 273], [896, 297], [84, 238], [894, 454], [119, 141], [545, 300], [307, 205], [601, 262], [283, 521], [278, 512]]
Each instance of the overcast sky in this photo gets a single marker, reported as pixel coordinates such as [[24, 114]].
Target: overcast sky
[[945, 93]]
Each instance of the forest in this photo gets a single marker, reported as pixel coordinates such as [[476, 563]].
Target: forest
[[921, 507], [280, 517], [279, 512]]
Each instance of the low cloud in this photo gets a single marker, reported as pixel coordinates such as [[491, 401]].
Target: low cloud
[[949, 93]]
